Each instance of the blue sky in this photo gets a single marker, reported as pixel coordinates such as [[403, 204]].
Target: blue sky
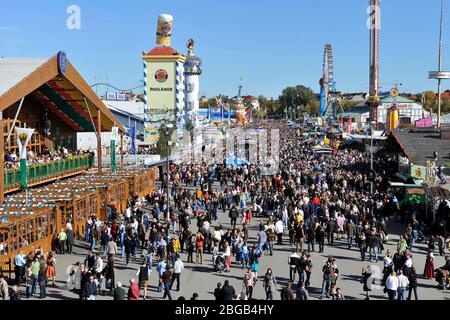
[[271, 44]]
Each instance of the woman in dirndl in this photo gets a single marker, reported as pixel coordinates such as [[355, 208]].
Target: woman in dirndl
[[51, 273], [429, 266]]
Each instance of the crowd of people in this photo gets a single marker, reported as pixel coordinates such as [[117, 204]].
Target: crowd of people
[[313, 202], [12, 160]]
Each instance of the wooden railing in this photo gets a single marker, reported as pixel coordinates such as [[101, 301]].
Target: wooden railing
[[48, 171]]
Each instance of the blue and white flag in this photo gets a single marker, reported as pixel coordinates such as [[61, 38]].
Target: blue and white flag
[[132, 134]]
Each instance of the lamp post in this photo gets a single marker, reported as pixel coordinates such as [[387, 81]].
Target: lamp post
[[166, 126]]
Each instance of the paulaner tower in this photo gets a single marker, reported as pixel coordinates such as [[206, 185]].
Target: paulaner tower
[[164, 83], [192, 72]]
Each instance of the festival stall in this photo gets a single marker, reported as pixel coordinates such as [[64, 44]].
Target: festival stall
[[112, 191], [24, 228], [140, 181], [74, 204]]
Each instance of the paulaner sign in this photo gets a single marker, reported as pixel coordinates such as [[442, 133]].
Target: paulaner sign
[[161, 89], [161, 86]]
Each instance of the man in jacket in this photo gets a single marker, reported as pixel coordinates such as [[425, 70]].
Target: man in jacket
[[287, 293], [112, 248], [91, 288], [302, 293], [351, 232], [234, 214], [331, 229], [70, 240], [119, 292], [228, 291], [167, 280]]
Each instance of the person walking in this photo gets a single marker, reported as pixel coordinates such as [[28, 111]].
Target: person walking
[[111, 248], [320, 237], [362, 243], [403, 283], [143, 275], [91, 288], [177, 268], [42, 279], [367, 281], [374, 243], [279, 229], [269, 284], [302, 293], [167, 280], [133, 291], [62, 237], [228, 292], [429, 266], [227, 256], [413, 284], [35, 267], [218, 292], [28, 282], [4, 288], [293, 261], [326, 279], [233, 214], [392, 284], [287, 293], [19, 267], [70, 240], [199, 242], [51, 271], [119, 292], [351, 232], [249, 282], [161, 268]]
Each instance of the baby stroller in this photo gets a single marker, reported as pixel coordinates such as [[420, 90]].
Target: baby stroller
[[218, 263]]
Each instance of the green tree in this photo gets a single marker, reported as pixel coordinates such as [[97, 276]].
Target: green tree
[[161, 145], [348, 105], [297, 96]]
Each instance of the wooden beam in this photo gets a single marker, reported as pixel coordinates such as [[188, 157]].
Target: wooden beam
[[2, 160], [99, 142]]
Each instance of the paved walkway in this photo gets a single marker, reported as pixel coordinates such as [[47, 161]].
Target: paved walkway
[[201, 279]]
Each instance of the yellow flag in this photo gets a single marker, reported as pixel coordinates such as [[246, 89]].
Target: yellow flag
[[319, 121]]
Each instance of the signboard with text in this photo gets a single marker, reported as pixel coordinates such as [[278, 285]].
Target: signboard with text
[[161, 85]]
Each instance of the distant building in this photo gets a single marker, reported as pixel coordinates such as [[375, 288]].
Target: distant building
[[409, 111]]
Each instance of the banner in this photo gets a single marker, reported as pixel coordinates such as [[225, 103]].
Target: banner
[[114, 133], [132, 134], [23, 136], [418, 172]]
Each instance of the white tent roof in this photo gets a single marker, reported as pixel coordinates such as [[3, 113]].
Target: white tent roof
[[13, 70], [136, 108]]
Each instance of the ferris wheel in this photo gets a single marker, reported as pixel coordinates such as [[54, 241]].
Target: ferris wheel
[[330, 101], [328, 79]]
